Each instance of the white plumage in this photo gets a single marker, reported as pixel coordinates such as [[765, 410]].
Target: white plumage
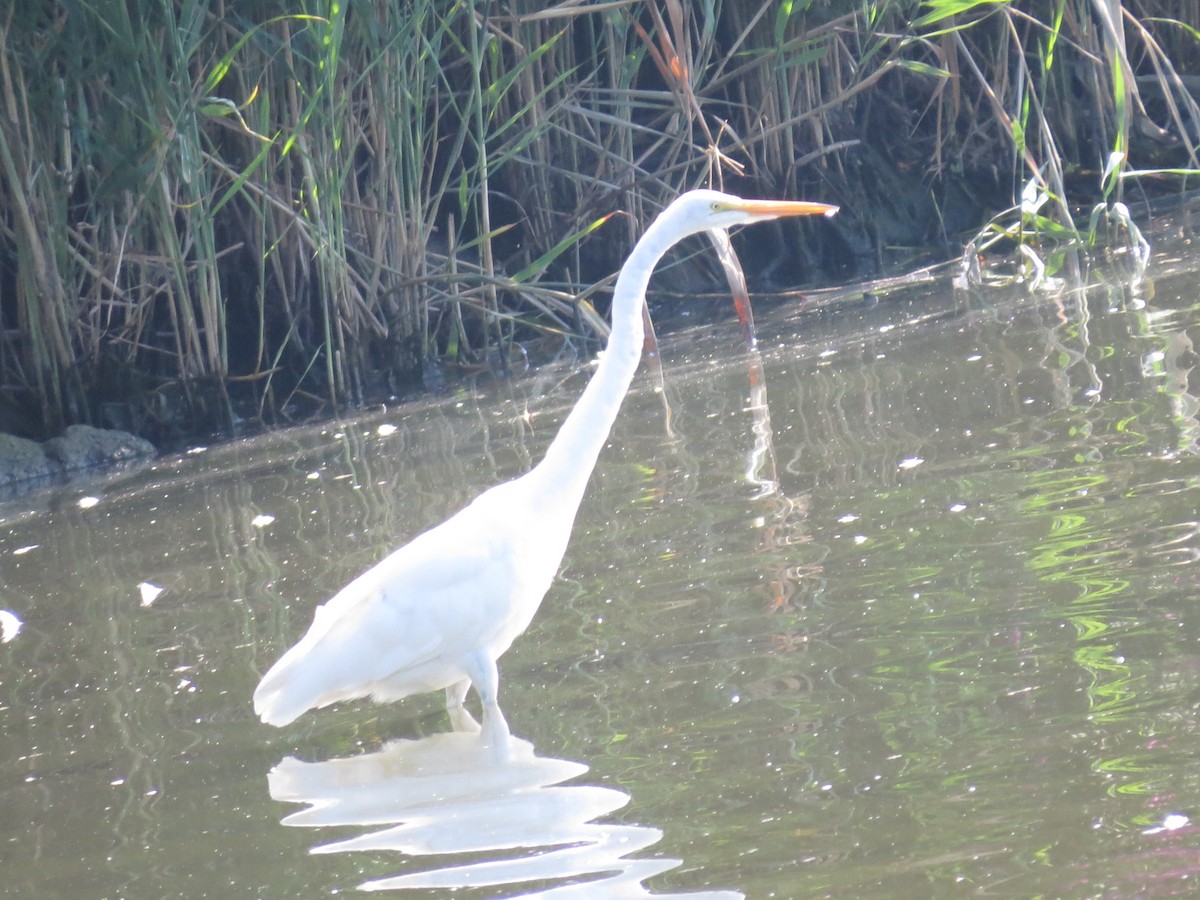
[[439, 612]]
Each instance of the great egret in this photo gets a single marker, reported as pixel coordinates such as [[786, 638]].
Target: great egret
[[439, 612]]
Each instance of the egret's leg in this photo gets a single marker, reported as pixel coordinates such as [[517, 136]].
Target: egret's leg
[[460, 719], [457, 693], [495, 729], [481, 670], [486, 677]]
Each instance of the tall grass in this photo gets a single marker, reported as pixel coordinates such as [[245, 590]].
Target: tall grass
[[212, 210], [1077, 89]]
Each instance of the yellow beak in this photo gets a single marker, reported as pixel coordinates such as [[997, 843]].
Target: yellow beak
[[776, 209]]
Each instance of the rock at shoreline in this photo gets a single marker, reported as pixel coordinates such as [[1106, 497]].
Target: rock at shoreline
[[82, 447], [79, 447], [22, 459]]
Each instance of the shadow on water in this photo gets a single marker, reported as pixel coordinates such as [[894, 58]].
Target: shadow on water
[[490, 814]]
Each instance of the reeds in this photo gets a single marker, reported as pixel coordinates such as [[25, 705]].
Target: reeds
[[1077, 89], [212, 210]]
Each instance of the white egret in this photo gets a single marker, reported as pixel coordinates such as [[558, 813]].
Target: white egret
[[439, 612]]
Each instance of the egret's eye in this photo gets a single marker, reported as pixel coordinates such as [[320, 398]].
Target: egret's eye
[[716, 206]]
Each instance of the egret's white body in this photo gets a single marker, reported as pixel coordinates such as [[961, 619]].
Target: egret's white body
[[439, 612]]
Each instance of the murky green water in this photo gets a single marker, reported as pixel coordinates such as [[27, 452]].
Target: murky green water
[[932, 630]]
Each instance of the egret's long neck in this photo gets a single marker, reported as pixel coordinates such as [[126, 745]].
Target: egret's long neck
[[572, 455]]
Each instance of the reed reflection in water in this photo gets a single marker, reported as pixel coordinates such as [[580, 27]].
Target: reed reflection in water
[[455, 794]]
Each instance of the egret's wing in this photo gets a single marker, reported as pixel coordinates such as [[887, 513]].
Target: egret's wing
[[417, 605], [430, 600]]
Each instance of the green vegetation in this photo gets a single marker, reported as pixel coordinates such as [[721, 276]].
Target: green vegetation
[[210, 209]]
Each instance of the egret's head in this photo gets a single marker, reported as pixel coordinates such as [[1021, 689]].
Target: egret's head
[[702, 210]]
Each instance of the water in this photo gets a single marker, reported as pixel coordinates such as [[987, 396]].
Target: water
[[929, 628]]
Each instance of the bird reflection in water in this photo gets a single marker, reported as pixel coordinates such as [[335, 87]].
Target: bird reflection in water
[[494, 814]]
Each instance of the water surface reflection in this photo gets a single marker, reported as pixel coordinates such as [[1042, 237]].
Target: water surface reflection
[[491, 812]]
